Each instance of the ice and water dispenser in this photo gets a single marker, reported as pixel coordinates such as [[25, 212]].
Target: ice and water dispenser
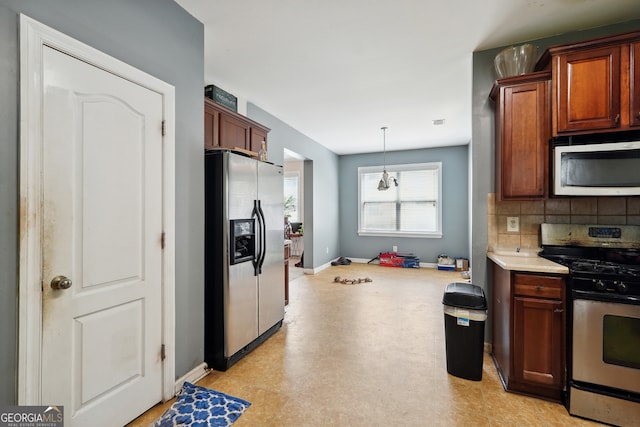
[[243, 243]]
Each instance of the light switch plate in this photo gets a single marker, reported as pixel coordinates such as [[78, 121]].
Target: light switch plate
[[513, 223]]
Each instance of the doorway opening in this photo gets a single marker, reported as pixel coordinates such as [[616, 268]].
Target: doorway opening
[[294, 209]]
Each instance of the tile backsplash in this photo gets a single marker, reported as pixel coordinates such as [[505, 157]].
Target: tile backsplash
[[578, 210]]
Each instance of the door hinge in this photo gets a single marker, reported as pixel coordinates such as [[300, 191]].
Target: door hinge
[[163, 128], [163, 353], [162, 237]]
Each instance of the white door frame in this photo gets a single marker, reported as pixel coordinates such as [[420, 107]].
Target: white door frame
[[34, 36]]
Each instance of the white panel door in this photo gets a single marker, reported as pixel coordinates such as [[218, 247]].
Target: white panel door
[[102, 228]]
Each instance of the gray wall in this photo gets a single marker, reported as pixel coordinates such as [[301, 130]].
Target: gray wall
[[482, 145], [321, 188], [160, 38], [455, 205]]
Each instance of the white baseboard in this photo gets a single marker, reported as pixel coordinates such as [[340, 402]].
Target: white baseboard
[[317, 269], [363, 261], [193, 376], [428, 265]]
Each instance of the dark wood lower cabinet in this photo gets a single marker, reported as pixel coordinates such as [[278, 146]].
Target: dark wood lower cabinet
[[529, 332]]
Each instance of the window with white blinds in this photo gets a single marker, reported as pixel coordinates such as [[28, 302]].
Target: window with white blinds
[[412, 209]]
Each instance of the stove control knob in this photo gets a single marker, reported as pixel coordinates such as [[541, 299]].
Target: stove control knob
[[600, 286], [622, 287]]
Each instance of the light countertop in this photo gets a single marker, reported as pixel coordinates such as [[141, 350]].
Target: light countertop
[[525, 262]]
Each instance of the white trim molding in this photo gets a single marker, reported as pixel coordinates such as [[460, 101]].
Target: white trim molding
[[193, 376]]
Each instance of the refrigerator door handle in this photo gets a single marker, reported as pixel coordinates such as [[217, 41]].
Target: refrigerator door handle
[[263, 237], [258, 252]]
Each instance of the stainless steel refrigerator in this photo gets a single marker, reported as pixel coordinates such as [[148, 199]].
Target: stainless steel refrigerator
[[244, 255]]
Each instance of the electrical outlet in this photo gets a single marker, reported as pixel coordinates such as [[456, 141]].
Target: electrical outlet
[[395, 249], [513, 223], [327, 249]]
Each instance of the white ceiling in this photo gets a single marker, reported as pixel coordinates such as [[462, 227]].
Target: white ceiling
[[338, 70]]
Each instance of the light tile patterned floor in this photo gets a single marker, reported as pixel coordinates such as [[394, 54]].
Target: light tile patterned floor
[[370, 354], [295, 272]]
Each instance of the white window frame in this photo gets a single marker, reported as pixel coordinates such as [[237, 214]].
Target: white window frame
[[296, 174], [437, 234]]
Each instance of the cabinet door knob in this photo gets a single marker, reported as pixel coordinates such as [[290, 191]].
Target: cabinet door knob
[[638, 115], [558, 310], [617, 119], [539, 288]]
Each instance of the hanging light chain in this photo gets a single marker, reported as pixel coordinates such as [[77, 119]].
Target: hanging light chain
[[384, 181], [384, 147]]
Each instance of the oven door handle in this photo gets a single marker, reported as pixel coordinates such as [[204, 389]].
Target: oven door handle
[[605, 297]]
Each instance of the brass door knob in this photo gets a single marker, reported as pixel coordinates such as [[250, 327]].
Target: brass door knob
[[61, 282]]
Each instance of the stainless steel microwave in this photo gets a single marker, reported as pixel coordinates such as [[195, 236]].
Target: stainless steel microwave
[[600, 169]]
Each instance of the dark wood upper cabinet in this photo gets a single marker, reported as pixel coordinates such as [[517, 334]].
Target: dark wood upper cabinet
[[634, 85], [224, 128], [522, 135], [234, 132], [211, 126], [588, 89], [256, 137], [596, 85]]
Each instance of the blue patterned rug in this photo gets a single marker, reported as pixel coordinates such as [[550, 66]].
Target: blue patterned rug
[[197, 406]]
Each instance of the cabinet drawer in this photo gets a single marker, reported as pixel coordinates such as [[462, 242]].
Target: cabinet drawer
[[539, 286]]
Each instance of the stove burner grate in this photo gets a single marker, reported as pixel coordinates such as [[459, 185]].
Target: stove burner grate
[[604, 268]]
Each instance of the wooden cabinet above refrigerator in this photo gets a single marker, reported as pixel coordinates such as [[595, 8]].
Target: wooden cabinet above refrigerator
[[224, 128]]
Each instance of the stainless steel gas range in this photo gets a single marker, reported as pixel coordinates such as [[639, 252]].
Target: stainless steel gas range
[[603, 320]]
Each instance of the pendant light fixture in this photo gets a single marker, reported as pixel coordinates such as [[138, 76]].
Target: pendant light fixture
[[384, 181]]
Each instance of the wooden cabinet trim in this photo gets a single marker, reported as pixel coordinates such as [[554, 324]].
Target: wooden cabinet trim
[[604, 41], [222, 109], [211, 127], [515, 80], [634, 84]]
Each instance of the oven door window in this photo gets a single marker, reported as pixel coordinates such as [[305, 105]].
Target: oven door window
[[621, 341], [600, 168], [606, 344]]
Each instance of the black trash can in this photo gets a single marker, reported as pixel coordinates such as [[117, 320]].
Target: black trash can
[[465, 312]]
